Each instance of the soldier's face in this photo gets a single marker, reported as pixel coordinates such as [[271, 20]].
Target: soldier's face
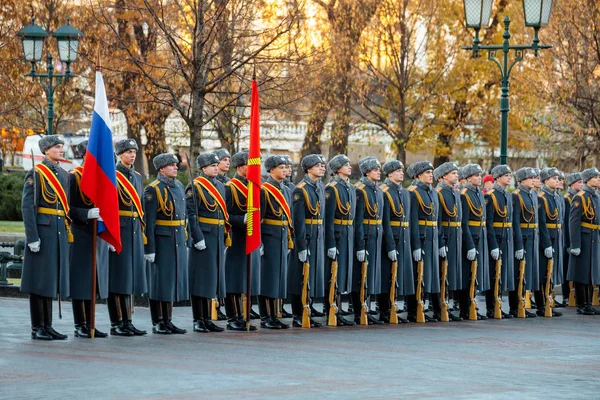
[[537, 183], [288, 171], [529, 183], [128, 157], [397, 176], [552, 183], [55, 153], [451, 178], [242, 171], [169, 170], [426, 177], [224, 164], [345, 170], [279, 172], [374, 174], [577, 185], [504, 180], [594, 182], [211, 170], [317, 171], [475, 180]]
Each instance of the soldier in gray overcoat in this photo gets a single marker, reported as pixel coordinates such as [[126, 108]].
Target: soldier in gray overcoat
[[396, 239], [127, 276], [276, 233], [525, 227], [208, 222], [46, 257], [584, 228], [499, 222], [550, 214], [83, 212], [166, 247], [224, 165], [450, 231], [340, 209], [574, 186], [474, 245], [424, 232], [368, 235], [309, 236], [236, 261]]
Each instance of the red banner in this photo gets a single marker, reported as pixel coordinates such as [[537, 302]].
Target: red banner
[[254, 177]]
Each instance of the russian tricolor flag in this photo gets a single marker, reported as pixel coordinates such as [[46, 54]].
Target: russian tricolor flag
[[99, 179]]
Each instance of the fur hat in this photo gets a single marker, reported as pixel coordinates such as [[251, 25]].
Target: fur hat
[[391, 166], [572, 178], [367, 164], [471, 169], [444, 170], [126, 144], [164, 159], [49, 141], [500, 170], [548, 173], [421, 166], [525, 173], [336, 163], [274, 161], [239, 159], [222, 153], [589, 174], [206, 159], [82, 147], [310, 161]]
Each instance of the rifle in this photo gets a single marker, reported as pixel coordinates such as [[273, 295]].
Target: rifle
[[363, 286], [528, 299], [572, 301], [393, 309], [498, 300], [444, 291], [473, 306], [520, 289], [332, 320], [419, 293], [547, 289], [305, 289]]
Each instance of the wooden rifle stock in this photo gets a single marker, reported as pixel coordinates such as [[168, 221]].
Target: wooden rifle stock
[[363, 292], [572, 301], [419, 293], [473, 305], [444, 292], [393, 309], [497, 300], [521, 289], [305, 307], [527, 299], [332, 320], [547, 289]]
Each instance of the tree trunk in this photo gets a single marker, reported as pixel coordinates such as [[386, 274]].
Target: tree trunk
[[312, 140]]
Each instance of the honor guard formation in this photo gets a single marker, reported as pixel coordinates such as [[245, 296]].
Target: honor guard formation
[[450, 235]]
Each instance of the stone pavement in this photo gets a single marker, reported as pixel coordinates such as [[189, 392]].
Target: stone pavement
[[535, 358]]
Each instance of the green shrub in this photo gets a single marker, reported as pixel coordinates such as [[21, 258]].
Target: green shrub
[[11, 189]]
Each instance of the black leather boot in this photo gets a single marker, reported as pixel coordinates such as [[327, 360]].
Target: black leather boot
[[119, 329], [82, 331], [48, 320], [127, 313], [167, 308]]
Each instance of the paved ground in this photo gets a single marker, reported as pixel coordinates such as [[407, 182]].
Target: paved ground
[[535, 358]]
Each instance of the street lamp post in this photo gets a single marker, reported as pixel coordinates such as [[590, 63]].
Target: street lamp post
[[33, 38], [477, 16]]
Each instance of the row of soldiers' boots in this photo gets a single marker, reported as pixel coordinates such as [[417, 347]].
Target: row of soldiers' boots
[[583, 299]]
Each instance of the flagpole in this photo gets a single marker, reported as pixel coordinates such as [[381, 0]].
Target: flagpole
[[92, 315]]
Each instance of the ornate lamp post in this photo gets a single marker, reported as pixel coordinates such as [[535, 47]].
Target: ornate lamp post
[[477, 16], [33, 38]]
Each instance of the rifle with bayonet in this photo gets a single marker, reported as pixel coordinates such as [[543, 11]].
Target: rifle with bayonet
[[332, 320], [419, 292], [444, 291], [521, 289], [363, 287], [472, 288], [497, 299], [393, 286], [548, 288]]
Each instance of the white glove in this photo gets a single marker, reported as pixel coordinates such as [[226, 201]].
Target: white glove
[[417, 255], [393, 255], [93, 213], [360, 255], [575, 252], [443, 252], [548, 252], [471, 254], [35, 246], [150, 257], [245, 218], [331, 253], [495, 253], [519, 254], [302, 255], [201, 245], [262, 250], [111, 248]]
